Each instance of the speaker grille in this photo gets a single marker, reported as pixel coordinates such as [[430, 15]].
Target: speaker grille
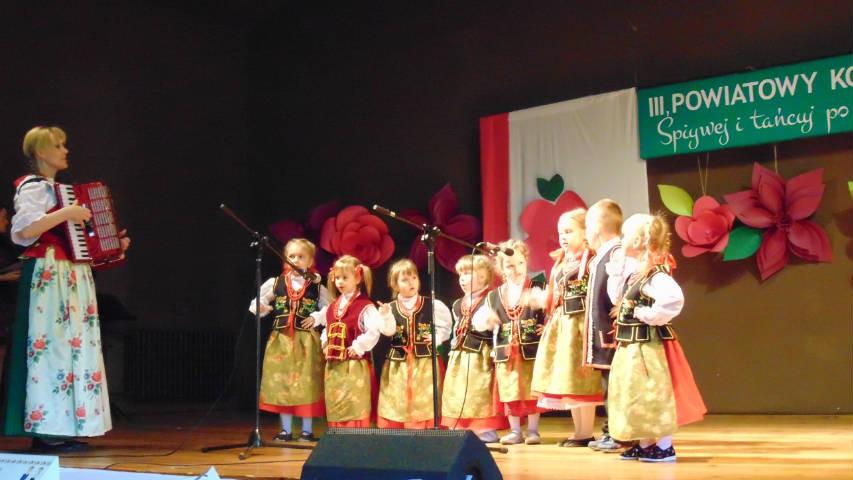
[[399, 432]]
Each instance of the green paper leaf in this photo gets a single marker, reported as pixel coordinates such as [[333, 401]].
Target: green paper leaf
[[850, 187], [743, 243], [676, 200], [550, 189], [539, 278]]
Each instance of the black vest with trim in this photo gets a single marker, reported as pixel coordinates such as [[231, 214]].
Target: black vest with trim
[[599, 342], [282, 304], [628, 328], [470, 339], [523, 328], [414, 329]]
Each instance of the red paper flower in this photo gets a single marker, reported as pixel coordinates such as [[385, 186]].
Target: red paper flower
[[707, 230], [782, 208], [355, 231], [444, 213], [539, 220]]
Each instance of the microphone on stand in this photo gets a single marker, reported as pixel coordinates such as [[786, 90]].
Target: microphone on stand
[[384, 211], [494, 249]]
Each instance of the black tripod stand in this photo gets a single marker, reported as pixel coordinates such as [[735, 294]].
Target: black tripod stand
[[258, 243]]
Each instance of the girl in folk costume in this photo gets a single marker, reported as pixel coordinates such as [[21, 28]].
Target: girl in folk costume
[[517, 329], [405, 392], [353, 326], [470, 398], [292, 382], [55, 381], [560, 378], [651, 387]]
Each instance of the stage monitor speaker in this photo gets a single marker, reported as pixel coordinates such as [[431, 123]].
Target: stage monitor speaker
[[391, 454]]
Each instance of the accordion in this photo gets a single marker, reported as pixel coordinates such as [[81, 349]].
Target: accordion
[[97, 240]]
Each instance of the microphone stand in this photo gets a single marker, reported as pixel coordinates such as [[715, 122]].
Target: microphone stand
[[429, 235], [258, 243]]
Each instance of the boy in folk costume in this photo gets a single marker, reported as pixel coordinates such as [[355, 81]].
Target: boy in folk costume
[[405, 391], [560, 378], [353, 326], [470, 398], [292, 382], [652, 390], [603, 229], [517, 329]]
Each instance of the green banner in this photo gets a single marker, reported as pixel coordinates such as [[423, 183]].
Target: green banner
[[807, 99]]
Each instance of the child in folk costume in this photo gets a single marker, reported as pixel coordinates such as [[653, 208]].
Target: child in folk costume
[[353, 326], [470, 398], [405, 391], [55, 382], [292, 382], [651, 390], [517, 328], [603, 233], [560, 378]]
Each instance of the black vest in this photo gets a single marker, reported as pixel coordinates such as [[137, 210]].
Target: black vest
[[468, 338], [413, 329], [599, 341], [305, 306], [628, 328], [524, 327]]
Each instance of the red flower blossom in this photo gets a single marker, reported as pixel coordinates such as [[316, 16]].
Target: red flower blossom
[[39, 344], [36, 415], [75, 342], [539, 220], [782, 208], [707, 230], [355, 231], [443, 210], [46, 275], [69, 378], [91, 309], [81, 412], [96, 377]]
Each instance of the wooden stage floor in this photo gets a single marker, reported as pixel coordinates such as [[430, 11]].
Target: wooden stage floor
[[723, 446]]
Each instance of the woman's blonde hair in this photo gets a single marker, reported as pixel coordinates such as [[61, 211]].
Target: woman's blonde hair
[[38, 138], [403, 266], [476, 263], [518, 248], [350, 264], [577, 217], [653, 232]]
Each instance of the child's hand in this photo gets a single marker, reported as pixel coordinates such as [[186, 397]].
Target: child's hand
[[265, 309], [351, 353], [536, 299], [307, 322], [539, 329], [492, 321], [384, 309]]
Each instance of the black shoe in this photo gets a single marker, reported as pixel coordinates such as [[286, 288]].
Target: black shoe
[[283, 436], [575, 442], [657, 454], [67, 446], [633, 453], [307, 437]]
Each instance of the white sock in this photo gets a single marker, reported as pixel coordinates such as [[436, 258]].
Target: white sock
[[307, 424], [647, 442], [665, 442], [533, 423], [286, 422], [514, 423]]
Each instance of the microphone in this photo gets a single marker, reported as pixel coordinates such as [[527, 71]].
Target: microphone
[[384, 211], [495, 249]]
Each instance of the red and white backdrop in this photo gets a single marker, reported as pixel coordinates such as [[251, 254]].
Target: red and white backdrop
[[540, 162]]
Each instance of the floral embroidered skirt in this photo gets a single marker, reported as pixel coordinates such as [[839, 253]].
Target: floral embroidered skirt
[[470, 398], [405, 393], [559, 377], [292, 380], [55, 382], [513, 377], [349, 392], [640, 398]]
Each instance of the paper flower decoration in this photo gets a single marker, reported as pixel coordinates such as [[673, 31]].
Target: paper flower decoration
[[355, 231], [706, 229], [782, 209], [444, 213], [539, 220]]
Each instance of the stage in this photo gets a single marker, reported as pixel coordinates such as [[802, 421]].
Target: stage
[[723, 446]]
